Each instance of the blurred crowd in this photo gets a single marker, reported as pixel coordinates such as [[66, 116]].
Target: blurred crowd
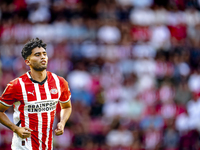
[[133, 68]]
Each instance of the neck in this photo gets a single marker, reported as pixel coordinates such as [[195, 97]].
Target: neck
[[38, 75]]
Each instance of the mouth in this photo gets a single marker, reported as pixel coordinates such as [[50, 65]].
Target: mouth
[[43, 62]]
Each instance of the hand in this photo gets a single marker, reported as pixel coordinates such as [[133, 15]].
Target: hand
[[60, 129], [23, 132]]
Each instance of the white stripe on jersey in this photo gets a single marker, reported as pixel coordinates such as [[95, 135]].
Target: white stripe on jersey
[[28, 74], [46, 87], [38, 95], [25, 112], [25, 99], [52, 134], [5, 104], [57, 84], [37, 91], [48, 94], [16, 115], [48, 128]]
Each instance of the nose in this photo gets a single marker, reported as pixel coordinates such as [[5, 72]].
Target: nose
[[43, 56]]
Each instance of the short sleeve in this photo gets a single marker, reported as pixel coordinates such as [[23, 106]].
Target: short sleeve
[[65, 91], [7, 98]]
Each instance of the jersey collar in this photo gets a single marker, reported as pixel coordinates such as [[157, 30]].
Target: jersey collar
[[41, 83]]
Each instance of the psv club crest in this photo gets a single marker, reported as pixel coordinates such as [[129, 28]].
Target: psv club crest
[[54, 91]]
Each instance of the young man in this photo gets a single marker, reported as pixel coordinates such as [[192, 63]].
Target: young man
[[35, 95]]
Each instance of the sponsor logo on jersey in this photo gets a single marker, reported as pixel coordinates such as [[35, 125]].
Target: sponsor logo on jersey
[[44, 106], [54, 91], [30, 93]]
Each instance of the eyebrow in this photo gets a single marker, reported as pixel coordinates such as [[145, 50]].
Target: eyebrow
[[40, 52]]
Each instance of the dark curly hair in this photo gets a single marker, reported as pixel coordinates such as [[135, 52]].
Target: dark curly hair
[[30, 45]]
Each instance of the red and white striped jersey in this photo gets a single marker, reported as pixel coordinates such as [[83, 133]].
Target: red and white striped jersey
[[35, 105]]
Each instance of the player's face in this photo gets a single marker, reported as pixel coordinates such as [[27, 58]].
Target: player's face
[[38, 59]]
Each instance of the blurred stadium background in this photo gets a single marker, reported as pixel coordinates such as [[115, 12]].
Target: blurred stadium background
[[133, 67]]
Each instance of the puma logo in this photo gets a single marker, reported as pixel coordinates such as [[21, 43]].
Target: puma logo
[[30, 93]]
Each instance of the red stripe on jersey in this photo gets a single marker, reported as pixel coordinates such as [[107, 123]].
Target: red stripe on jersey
[[42, 92], [30, 91], [33, 124], [51, 127], [21, 116], [44, 129], [52, 87]]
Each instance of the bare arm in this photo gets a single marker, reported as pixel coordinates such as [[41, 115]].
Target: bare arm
[[5, 120], [23, 132], [64, 116]]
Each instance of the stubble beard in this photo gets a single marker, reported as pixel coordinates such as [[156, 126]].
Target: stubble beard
[[40, 68]]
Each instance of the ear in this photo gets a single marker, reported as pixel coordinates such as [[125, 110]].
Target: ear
[[27, 62]]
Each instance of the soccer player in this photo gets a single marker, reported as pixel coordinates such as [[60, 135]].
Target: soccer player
[[34, 96]]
